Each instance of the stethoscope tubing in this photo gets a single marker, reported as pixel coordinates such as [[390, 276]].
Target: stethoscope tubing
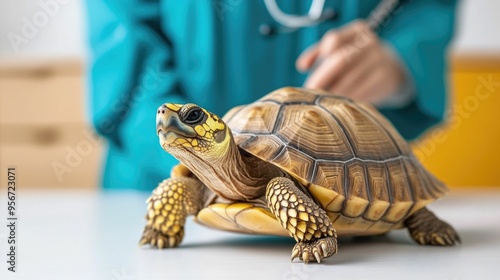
[[317, 15]]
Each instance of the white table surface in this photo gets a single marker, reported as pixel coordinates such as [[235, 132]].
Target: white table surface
[[94, 235]]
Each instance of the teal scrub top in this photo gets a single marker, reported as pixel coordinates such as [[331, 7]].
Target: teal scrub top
[[211, 52]]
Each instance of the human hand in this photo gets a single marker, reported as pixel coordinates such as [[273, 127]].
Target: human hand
[[352, 61]]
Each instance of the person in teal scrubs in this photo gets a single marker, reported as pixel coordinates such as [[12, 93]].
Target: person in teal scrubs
[[223, 53]]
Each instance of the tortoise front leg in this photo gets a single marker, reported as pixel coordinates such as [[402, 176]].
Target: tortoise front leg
[[180, 170], [304, 220], [169, 205]]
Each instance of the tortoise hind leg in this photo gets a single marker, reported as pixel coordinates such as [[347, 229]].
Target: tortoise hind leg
[[304, 220], [427, 229]]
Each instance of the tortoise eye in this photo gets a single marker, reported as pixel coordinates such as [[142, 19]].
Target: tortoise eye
[[194, 115]]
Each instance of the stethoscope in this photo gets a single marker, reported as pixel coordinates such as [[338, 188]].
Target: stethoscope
[[318, 14]]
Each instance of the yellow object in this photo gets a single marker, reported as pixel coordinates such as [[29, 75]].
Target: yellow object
[[465, 151], [240, 217]]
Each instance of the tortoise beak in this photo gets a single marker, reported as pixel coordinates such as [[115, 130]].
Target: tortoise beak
[[169, 126]]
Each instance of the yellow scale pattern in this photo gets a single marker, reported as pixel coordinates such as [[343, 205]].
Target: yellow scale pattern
[[167, 211], [205, 130], [303, 219]]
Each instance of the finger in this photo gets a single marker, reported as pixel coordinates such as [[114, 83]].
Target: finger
[[327, 72], [307, 58], [343, 54], [336, 38], [331, 41], [354, 74], [341, 63]]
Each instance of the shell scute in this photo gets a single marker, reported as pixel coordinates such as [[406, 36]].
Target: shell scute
[[258, 119], [357, 193], [367, 139], [330, 175], [310, 130], [288, 160], [400, 187], [260, 145], [377, 184], [384, 124]]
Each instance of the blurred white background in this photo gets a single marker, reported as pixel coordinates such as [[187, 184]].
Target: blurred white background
[[56, 30], [62, 33]]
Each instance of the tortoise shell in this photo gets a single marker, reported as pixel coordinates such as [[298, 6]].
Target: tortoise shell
[[350, 159]]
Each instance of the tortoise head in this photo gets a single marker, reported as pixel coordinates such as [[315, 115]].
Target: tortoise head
[[189, 130]]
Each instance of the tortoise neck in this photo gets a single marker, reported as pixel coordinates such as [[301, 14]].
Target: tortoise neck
[[248, 173], [237, 175]]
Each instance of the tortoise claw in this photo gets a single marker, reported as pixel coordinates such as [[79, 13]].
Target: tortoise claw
[[159, 239], [143, 241], [160, 244], [325, 249], [305, 257], [315, 250], [295, 253], [316, 255]]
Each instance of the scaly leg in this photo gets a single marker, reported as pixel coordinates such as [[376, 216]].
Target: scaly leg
[[427, 229], [169, 205], [304, 220], [180, 170]]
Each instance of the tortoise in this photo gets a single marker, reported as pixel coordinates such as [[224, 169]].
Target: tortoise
[[296, 162]]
